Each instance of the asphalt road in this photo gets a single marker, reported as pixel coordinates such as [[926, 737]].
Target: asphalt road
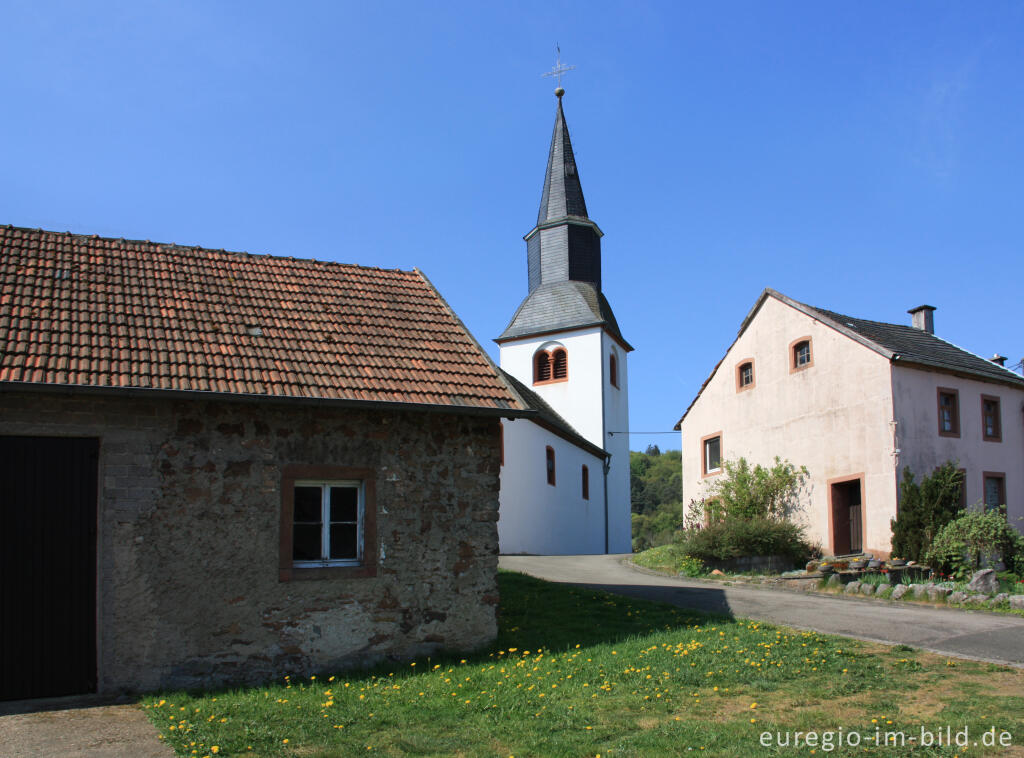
[[981, 636]]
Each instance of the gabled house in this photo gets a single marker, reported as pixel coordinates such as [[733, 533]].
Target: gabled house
[[565, 488], [856, 402], [224, 467]]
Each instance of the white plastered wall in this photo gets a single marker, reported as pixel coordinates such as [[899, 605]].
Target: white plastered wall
[[536, 517], [834, 417]]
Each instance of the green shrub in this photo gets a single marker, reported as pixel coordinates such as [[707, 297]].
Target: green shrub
[[924, 509], [690, 566], [758, 492], [977, 538], [743, 537]]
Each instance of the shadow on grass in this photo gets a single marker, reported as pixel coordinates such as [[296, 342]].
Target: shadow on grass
[[558, 615]]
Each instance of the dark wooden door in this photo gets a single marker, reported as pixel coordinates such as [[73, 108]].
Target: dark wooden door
[[47, 566]]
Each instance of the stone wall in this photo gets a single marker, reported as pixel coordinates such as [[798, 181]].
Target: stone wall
[[188, 583]]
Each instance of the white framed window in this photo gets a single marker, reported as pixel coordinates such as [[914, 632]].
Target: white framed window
[[712, 454], [327, 523]]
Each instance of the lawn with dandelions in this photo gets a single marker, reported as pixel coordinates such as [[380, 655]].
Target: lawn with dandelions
[[577, 672]]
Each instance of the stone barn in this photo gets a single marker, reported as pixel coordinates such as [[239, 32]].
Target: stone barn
[[221, 467]]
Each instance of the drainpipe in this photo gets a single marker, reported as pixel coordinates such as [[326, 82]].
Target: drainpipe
[[604, 445]]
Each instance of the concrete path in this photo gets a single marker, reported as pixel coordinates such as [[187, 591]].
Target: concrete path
[[981, 636], [77, 728]]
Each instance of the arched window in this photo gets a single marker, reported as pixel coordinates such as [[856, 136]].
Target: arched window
[[560, 364], [800, 353], [550, 456], [613, 370], [541, 367], [586, 483], [745, 375], [551, 365]]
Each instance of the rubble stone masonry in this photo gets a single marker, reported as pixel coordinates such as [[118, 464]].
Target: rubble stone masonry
[[189, 587]]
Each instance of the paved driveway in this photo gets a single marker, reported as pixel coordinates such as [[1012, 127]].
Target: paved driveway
[[80, 727], [978, 635]]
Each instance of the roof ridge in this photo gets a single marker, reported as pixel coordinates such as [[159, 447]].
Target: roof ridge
[[175, 247]]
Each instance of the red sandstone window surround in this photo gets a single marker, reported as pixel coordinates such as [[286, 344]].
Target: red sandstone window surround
[[949, 412], [549, 457], [328, 523], [551, 366], [801, 356], [745, 375], [711, 454], [991, 419]]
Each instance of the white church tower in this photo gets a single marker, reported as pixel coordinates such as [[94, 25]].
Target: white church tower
[[564, 346]]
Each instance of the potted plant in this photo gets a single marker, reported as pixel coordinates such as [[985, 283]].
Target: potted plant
[[859, 564]]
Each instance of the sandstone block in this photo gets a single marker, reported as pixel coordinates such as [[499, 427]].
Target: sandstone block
[[984, 582]]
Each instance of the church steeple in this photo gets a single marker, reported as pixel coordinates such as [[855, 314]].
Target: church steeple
[[565, 245], [563, 253]]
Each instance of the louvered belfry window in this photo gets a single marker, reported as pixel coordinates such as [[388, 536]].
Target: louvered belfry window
[[542, 367], [560, 361]]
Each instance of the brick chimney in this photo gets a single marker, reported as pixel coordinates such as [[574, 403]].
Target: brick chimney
[[923, 318], [999, 360]]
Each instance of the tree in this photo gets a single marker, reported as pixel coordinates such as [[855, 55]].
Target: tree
[[652, 450], [924, 509]]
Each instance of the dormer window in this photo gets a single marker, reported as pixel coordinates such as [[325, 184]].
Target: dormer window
[[551, 366], [800, 355], [745, 375]]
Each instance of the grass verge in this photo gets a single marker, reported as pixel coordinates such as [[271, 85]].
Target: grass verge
[[582, 673]]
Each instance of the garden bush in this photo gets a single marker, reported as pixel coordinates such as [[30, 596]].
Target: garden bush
[[735, 537], [924, 509], [978, 538]]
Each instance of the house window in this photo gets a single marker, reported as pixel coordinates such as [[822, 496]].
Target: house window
[[550, 462], [991, 421], [613, 370], [711, 449], [995, 489], [745, 375], [550, 366], [949, 412], [586, 483], [800, 353], [328, 522]]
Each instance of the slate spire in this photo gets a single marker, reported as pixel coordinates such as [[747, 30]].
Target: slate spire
[[563, 253], [563, 193]]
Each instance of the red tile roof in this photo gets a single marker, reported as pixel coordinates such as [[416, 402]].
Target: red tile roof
[[96, 312]]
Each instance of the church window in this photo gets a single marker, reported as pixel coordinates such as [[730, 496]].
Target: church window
[[613, 370], [550, 460], [559, 364], [551, 366], [586, 483]]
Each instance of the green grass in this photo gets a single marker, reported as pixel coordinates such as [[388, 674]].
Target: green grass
[[580, 673], [664, 558]]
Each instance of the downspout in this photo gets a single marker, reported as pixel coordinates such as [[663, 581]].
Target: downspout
[[604, 446]]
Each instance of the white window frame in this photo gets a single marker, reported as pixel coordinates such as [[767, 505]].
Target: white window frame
[[325, 522], [707, 454]]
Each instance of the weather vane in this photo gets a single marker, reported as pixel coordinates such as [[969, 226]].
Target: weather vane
[[559, 69]]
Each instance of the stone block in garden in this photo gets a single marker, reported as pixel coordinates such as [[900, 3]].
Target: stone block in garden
[[979, 599], [835, 581], [1002, 597], [1017, 602], [936, 594], [955, 598], [852, 588], [921, 590], [984, 582], [867, 589], [900, 590]]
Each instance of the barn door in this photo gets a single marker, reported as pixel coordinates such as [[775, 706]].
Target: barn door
[[47, 566]]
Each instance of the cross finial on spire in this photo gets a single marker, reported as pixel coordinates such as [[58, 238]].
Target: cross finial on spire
[[557, 72]]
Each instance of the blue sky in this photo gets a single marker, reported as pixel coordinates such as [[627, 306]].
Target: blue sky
[[863, 157]]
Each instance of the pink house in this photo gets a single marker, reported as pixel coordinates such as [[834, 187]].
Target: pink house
[[856, 402]]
